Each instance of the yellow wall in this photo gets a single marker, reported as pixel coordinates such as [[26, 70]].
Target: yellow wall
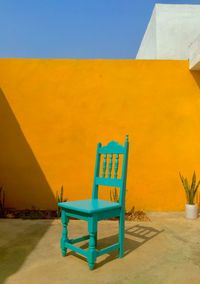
[[53, 112]]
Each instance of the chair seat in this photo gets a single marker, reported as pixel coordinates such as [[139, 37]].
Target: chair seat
[[90, 205]]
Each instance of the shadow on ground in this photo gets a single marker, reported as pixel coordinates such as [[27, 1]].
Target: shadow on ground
[[18, 245], [135, 237], [25, 186]]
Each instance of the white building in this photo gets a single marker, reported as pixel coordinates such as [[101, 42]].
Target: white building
[[173, 33]]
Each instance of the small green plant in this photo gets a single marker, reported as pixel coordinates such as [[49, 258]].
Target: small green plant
[[114, 195], [190, 190], [59, 198], [2, 203]]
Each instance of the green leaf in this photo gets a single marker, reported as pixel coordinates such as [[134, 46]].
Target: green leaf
[[190, 191], [193, 181]]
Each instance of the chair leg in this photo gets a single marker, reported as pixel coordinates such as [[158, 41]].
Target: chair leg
[[92, 228], [96, 239], [64, 238], [121, 233]]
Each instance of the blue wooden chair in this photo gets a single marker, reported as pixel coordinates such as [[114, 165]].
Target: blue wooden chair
[[95, 209]]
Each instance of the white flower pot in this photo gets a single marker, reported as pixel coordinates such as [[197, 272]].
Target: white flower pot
[[191, 211]]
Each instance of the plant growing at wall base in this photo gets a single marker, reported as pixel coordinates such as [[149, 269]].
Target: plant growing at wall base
[[190, 190], [2, 203], [59, 198], [114, 195], [191, 209], [131, 215], [137, 215]]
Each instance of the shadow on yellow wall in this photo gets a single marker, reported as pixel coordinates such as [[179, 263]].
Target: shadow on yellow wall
[[196, 76], [20, 174]]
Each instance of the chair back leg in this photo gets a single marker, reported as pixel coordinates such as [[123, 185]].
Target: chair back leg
[[121, 233]]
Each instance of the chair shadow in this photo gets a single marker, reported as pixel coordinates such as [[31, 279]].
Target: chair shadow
[[25, 186], [135, 237]]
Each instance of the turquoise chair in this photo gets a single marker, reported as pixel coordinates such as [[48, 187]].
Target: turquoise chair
[[94, 210]]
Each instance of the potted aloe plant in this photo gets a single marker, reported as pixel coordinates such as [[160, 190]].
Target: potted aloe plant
[[191, 209]]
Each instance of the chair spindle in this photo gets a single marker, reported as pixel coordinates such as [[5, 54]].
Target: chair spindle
[[116, 165], [104, 165], [110, 166]]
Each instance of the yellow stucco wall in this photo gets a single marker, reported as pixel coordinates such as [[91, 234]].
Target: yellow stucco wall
[[53, 112]]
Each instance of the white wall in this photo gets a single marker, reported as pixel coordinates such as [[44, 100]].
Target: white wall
[[194, 54], [175, 26]]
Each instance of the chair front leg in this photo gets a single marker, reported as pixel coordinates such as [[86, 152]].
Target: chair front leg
[[64, 238], [92, 229]]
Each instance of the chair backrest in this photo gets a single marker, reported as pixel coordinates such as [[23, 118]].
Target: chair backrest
[[110, 165]]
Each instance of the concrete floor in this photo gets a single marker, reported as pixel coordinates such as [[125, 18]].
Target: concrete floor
[[166, 250]]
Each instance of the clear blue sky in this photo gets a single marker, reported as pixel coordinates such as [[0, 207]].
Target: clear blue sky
[[74, 28]]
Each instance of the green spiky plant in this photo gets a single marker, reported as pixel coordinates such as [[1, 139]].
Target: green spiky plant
[[2, 203], [59, 198], [190, 190], [114, 195]]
